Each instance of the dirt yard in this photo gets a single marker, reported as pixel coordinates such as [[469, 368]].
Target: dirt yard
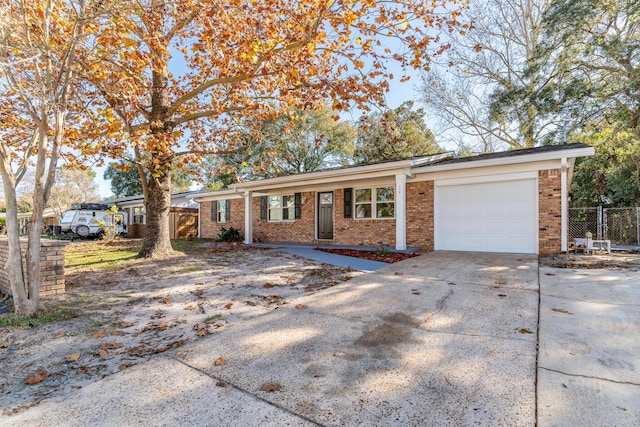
[[146, 308]]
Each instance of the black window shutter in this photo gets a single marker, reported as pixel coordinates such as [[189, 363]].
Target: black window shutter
[[348, 202], [213, 210], [228, 207], [263, 208], [297, 202]]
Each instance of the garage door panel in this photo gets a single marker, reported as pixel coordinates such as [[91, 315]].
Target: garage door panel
[[489, 217]]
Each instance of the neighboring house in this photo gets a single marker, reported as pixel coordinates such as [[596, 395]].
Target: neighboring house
[[49, 219], [512, 202], [183, 215]]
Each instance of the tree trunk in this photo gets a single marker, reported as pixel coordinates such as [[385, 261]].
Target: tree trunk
[[157, 242], [23, 304]]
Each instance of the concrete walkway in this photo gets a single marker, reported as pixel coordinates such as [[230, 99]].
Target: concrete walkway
[[441, 339], [310, 252]]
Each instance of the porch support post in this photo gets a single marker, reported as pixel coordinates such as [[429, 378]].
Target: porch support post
[[401, 211], [248, 217], [564, 194]]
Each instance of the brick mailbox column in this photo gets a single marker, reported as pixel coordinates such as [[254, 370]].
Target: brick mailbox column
[[51, 266]]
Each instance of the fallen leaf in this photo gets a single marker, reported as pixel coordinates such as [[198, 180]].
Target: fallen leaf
[[73, 357], [189, 307], [124, 325], [5, 345], [416, 293], [269, 285], [221, 383], [37, 378], [228, 306], [220, 362], [398, 273], [196, 327], [125, 366], [59, 335], [501, 282], [103, 353], [111, 345], [200, 284], [118, 333], [219, 325], [202, 332], [561, 310], [100, 334], [162, 326], [525, 331], [550, 274], [270, 387], [502, 295], [83, 370], [301, 306], [166, 301]]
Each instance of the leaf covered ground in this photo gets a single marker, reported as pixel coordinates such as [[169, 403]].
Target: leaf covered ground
[[126, 311]]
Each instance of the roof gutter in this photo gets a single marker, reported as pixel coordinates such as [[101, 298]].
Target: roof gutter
[[501, 161]]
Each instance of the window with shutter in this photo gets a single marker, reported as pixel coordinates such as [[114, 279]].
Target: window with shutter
[[348, 202]]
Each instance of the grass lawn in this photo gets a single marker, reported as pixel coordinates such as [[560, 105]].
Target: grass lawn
[[89, 255]]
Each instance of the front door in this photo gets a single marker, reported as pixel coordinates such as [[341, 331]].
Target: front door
[[325, 215]]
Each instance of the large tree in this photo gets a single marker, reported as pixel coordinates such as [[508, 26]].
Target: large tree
[[38, 44], [189, 77], [611, 177], [125, 179], [299, 141], [393, 135], [597, 45], [491, 89]]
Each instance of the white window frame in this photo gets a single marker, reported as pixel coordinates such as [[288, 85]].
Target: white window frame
[[221, 207], [140, 217], [374, 202], [275, 205]]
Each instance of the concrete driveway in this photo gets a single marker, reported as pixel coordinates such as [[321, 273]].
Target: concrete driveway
[[589, 363], [442, 339]]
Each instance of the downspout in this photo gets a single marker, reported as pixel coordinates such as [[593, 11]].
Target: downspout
[[564, 195]]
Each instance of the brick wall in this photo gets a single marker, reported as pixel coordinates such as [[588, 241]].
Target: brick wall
[[549, 212], [369, 232], [210, 229], [51, 267], [296, 231], [420, 219]]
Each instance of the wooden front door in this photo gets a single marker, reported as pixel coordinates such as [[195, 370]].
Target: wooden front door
[[325, 215]]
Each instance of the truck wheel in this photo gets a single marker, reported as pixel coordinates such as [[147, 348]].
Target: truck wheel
[[82, 230], [100, 235]]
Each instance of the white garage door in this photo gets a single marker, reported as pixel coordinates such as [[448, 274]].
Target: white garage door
[[488, 217]]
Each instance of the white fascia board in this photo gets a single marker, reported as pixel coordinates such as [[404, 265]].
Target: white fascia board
[[503, 161], [336, 175], [218, 195], [270, 187]]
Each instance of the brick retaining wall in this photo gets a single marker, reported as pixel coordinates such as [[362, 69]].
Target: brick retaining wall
[[51, 266]]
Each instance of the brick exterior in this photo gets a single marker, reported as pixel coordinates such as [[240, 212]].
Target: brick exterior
[[369, 232], [210, 229], [51, 266], [296, 231], [420, 215], [549, 212]]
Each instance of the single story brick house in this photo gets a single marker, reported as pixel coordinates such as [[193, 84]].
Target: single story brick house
[[509, 202]]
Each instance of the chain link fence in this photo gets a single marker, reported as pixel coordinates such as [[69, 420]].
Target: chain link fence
[[620, 225]]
